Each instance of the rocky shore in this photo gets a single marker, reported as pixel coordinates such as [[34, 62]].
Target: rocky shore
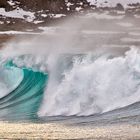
[[24, 14]]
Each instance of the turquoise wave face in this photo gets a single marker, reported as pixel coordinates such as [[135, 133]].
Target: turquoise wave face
[[22, 102], [10, 78]]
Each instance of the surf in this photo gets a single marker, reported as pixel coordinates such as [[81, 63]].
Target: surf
[[68, 73]]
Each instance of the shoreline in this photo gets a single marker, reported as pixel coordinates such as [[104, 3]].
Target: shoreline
[[63, 131]]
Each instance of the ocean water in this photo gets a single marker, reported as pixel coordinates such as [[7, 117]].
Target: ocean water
[[81, 75]]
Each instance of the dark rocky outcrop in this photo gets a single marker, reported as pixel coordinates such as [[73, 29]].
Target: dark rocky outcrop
[[119, 7], [55, 6], [50, 8], [4, 4]]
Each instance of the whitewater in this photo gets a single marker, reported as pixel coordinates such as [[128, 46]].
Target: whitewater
[[77, 71]]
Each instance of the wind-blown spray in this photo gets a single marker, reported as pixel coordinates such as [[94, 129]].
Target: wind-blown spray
[[84, 76]]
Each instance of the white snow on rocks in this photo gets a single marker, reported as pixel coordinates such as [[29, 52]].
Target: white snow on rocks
[[13, 3], [44, 15], [38, 21], [112, 3], [10, 2], [1, 22], [18, 13], [58, 15], [68, 4], [78, 9]]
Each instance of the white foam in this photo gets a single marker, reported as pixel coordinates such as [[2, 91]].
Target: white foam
[[92, 85]]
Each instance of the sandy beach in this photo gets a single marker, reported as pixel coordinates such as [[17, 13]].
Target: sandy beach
[[61, 131]]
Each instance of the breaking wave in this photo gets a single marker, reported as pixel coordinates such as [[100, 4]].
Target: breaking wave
[[82, 70], [34, 86]]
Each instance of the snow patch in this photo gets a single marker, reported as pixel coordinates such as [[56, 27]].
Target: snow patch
[[18, 13], [1, 22], [112, 3], [37, 22], [58, 15], [10, 2], [44, 15], [78, 9], [68, 4]]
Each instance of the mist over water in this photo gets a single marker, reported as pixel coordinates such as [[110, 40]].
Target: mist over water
[[92, 85], [90, 68]]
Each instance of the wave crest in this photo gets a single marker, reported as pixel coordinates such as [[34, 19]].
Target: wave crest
[[93, 85]]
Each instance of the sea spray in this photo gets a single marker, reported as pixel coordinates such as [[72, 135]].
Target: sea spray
[[84, 77], [93, 86]]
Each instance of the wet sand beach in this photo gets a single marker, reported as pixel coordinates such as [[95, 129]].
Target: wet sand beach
[[62, 131]]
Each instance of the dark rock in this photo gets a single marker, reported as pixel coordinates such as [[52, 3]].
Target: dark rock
[[55, 6], [4, 4], [119, 7]]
